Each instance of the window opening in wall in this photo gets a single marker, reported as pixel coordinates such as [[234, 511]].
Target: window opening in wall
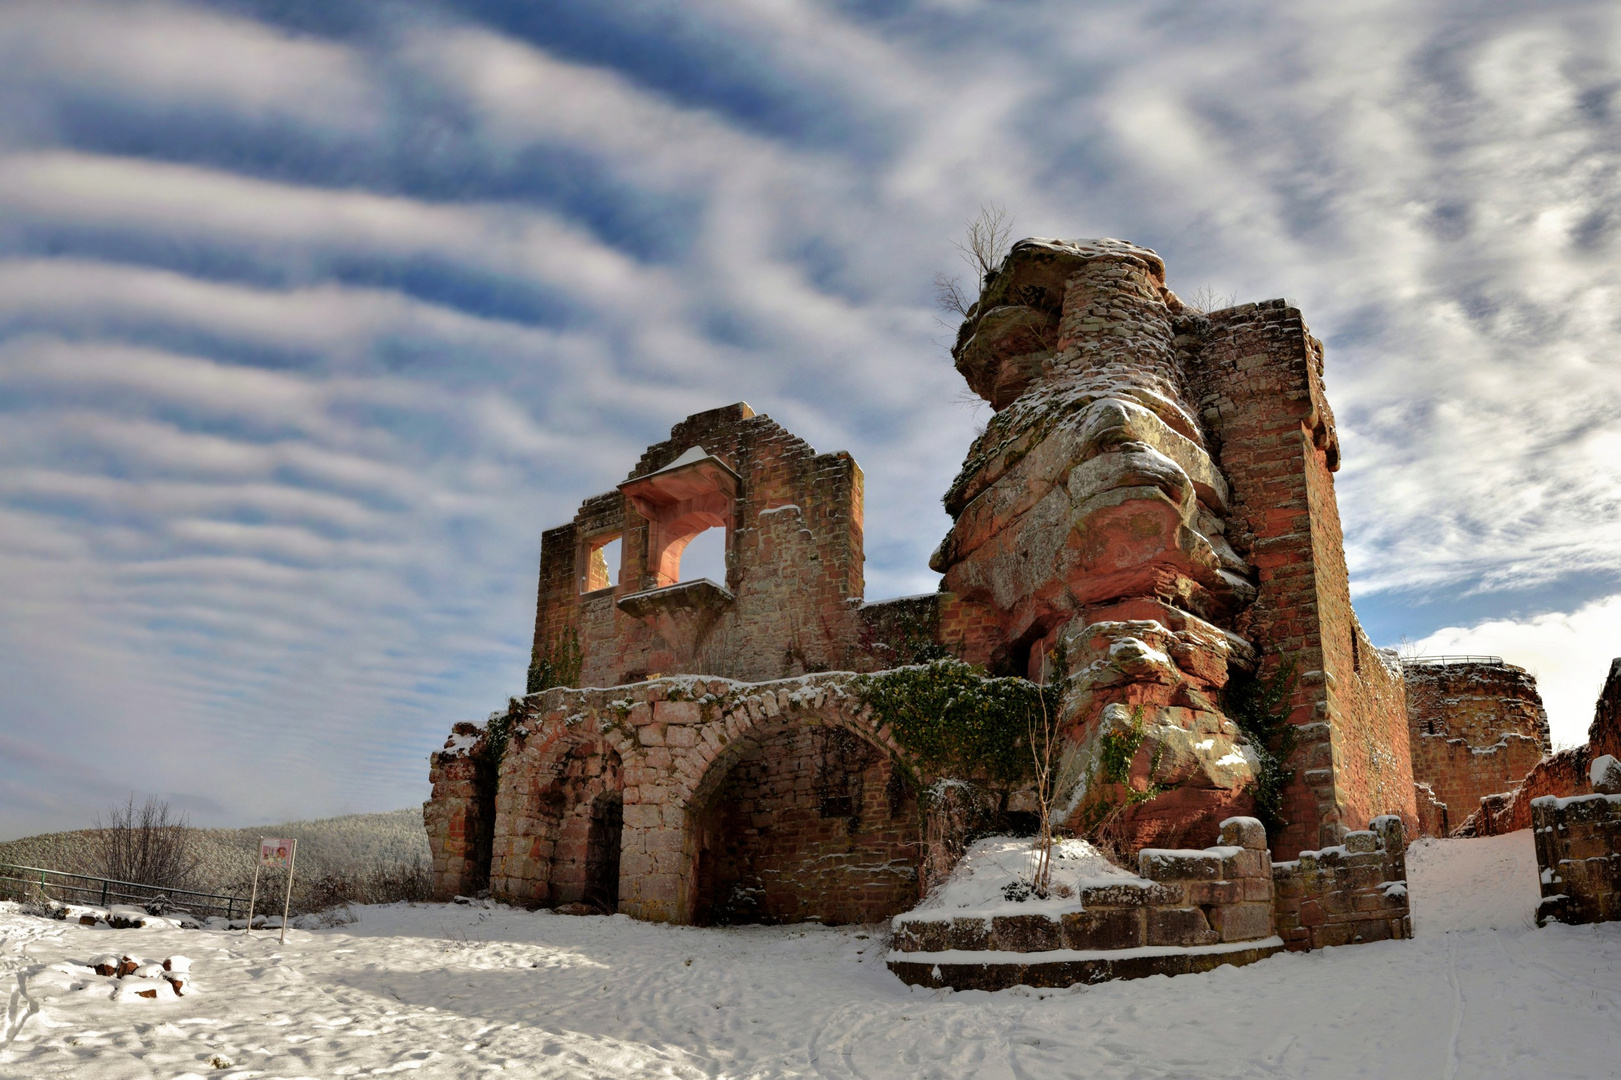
[[601, 564], [705, 557], [1356, 652]]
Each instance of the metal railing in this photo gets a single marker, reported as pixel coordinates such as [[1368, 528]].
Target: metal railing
[[1445, 661], [104, 892]]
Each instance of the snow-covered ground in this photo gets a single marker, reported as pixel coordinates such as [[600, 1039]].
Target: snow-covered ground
[[447, 991]]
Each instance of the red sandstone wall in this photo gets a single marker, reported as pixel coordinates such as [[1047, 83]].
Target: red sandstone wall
[[1462, 775], [550, 808], [460, 814], [1477, 729], [794, 564], [808, 826], [1257, 373], [1563, 774]]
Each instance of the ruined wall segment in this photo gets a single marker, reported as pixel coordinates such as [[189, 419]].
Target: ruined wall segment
[[460, 813], [1352, 893], [793, 525], [1563, 775], [1578, 840], [1258, 374], [1477, 727], [705, 788]]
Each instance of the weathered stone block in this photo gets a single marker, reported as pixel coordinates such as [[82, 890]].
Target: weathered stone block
[[1180, 927], [1247, 864], [1161, 864], [915, 935], [1244, 832], [1025, 933], [1242, 922], [1216, 892], [1104, 928], [969, 933], [1162, 893]]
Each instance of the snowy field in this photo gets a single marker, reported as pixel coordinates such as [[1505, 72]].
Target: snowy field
[[448, 991]]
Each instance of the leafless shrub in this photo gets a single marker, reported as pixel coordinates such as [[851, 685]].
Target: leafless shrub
[[148, 844], [385, 884], [1058, 766], [1206, 299], [983, 247]]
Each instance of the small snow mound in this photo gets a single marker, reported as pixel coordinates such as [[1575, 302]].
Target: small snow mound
[[993, 877], [1605, 775]]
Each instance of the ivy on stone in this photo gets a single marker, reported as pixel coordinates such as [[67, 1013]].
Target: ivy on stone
[[1260, 706], [956, 720], [558, 665]]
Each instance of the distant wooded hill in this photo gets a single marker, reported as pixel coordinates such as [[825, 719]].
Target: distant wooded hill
[[349, 845]]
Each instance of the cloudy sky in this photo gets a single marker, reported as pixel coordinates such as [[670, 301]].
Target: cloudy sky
[[314, 314]]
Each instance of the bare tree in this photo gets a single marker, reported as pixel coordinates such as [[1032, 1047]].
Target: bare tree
[[1057, 772], [983, 247], [1206, 299], [148, 844]]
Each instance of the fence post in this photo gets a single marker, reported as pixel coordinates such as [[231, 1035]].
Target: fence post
[[103, 892]]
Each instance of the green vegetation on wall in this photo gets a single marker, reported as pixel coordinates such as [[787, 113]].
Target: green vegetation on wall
[[558, 665], [957, 721], [1260, 707]]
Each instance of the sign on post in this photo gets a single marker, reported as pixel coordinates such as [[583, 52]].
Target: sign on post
[[275, 853]]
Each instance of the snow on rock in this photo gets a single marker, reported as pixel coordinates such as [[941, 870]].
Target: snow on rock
[[1605, 775], [992, 879]]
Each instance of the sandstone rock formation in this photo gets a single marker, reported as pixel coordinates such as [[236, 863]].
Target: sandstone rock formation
[[1093, 519]]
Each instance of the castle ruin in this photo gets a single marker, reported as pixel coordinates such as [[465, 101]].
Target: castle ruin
[[1147, 522]]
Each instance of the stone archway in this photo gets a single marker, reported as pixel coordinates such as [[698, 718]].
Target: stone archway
[[558, 828], [800, 813], [679, 742], [810, 822]]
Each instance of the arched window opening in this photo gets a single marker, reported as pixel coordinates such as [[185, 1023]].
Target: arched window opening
[[704, 556], [691, 496]]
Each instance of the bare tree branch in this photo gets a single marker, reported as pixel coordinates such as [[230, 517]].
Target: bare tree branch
[[1206, 299], [148, 844], [983, 247]]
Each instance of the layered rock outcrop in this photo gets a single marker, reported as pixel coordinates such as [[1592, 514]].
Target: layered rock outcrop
[[1094, 519]]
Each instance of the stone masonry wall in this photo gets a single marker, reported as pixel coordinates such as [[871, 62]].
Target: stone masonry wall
[[794, 566], [675, 743], [1563, 774], [1349, 893], [1477, 728], [1579, 854], [812, 824], [459, 814], [1257, 372]]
